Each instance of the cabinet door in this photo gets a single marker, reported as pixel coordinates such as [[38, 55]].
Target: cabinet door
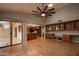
[[77, 26], [53, 27], [66, 38], [61, 27], [49, 28], [49, 36], [69, 26], [46, 28]]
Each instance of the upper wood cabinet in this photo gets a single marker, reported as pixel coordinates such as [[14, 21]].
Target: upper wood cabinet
[[64, 26], [61, 26], [77, 26], [58, 27], [53, 27], [69, 26], [48, 28]]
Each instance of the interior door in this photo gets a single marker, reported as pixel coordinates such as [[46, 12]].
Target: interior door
[[16, 33], [4, 33]]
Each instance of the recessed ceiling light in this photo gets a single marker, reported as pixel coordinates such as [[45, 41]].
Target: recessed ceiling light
[[50, 5], [43, 14]]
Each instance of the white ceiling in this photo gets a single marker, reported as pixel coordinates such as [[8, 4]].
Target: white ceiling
[[25, 7]]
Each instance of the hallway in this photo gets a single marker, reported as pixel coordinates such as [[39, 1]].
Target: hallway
[[41, 47]]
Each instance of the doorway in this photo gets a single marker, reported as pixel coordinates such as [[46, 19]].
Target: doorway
[[11, 33], [34, 31]]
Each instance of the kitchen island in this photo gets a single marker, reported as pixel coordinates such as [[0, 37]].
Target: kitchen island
[[31, 36]]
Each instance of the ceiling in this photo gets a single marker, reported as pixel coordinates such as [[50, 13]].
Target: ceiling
[[25, 7]]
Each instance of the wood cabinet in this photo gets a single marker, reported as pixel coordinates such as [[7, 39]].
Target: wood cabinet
[[53, 27], [65, 26], [48, 28], [66, 38], [69, 26], [77, 26], [61, 27], [31, 36], [70, 38], [49, 36]]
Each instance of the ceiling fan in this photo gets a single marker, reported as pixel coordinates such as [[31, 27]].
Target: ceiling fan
[[44, 12]]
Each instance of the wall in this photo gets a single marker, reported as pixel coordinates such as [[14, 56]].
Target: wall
[[67, 13], [27, 18]]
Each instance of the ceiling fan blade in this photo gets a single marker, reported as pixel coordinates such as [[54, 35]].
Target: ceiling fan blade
[[39, 9], [50, 12], [50, 15], [51, 9], [45, 8], [35, 11]]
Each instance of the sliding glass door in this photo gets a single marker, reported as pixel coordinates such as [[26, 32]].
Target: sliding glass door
[[10, 33], [16, 33], [4, 33]]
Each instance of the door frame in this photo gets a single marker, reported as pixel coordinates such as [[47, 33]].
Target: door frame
[[19, 21]]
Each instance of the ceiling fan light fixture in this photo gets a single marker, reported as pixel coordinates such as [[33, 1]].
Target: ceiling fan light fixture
[[43, 14], [45, 11], [50, 5]]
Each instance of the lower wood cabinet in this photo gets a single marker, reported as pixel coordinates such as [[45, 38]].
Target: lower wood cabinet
[[77, 26], [69, 38], [49, 36], [31, 36], [66, 38]]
